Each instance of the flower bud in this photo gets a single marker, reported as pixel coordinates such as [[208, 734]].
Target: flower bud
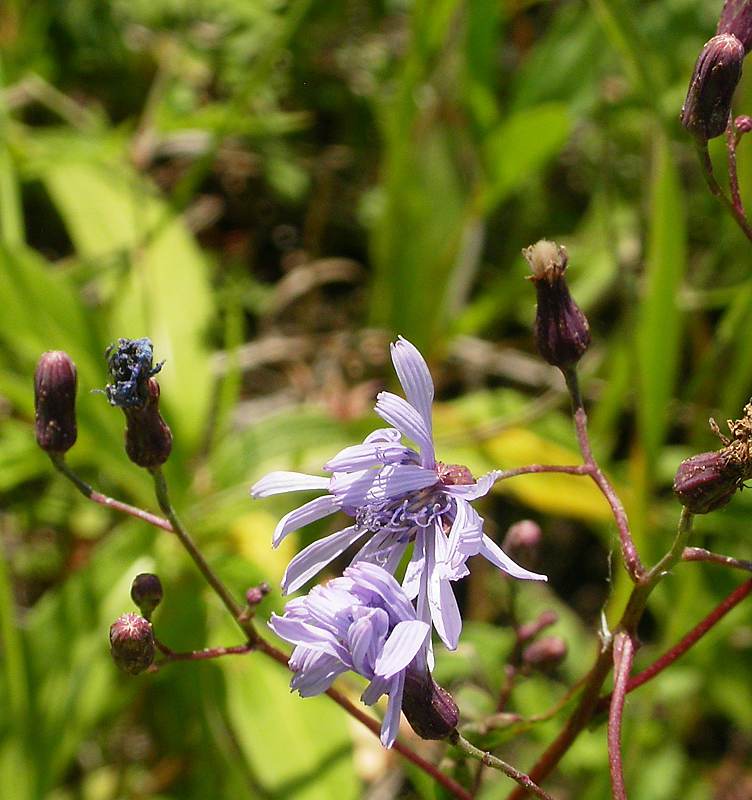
[[523, 536], [717, 72], [562, 333], [148, 439], [146, 593], [707, 481], [546, 653], [55, 402], [430, 710], [736, 19], [530, 629], [132, 643], [743, 123], [256, 594]]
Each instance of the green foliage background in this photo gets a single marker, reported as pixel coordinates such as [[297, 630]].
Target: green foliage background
[[272, 191]]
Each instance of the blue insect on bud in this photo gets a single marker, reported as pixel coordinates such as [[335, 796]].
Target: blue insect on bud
[[131, 364]]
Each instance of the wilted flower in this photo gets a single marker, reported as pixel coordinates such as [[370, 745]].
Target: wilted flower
[[362, 622], [55, 402], [562, 332], [717, 72], [397, 496]]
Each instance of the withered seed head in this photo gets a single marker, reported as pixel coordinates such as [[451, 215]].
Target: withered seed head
[[707, 107], [562, 332]]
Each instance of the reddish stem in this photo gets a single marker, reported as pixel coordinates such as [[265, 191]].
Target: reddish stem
[[535, 469], [700, 554], [715, 189], [623, 659], [202, 655], [736, 198], [103, 500]]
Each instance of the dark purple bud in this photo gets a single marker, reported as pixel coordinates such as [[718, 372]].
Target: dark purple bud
[[707, 107], [132, 643], [736, 19], [146, 593], [148, 439], [707, 481], [430, 710], [743, 123], [523, 536], [55, 402], [530, 629], [562, 333], [546, 653], [256, 594]]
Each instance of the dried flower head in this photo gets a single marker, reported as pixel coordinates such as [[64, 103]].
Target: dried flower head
[[562, 332], [736, 19], [55, 402], [707, 106]]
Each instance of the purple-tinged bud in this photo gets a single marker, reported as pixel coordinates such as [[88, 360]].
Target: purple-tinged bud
[[148, 439], [530, 629], [736, 19], [132, 643], [707, 481], [430, 710], [547, 653], [523, 536], [562, 333], [743, 123], [256, 594], [146, 593], [707, 107], [55, 402]]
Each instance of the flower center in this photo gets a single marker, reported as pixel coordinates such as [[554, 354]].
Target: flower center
[[404, 515]]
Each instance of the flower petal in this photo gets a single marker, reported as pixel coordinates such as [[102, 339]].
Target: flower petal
[[316, 556], [490, 550], [356, 489], [401, 647], [415, 568], [298, 517], [363, 456], [279, 482], [414, 376], [310, 636], [383, 435], [472, 491], [390, 725], [405, 418], [445, 613], [465, 537]]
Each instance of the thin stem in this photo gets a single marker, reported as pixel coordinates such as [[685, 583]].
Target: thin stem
[[707, 170], [201, 655], [535, 469], [731, 142], [629, 551], [163, 498], [525, 782], [700, 554], [623, 660], [89, 492], [688, 641]]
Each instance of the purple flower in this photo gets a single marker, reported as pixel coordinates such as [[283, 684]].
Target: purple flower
[[396, 496], [361, 622]]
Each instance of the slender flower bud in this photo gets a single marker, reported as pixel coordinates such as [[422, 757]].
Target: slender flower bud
[[707, 107], [736, 19], [148, 439], [132, 643], [146, 593], [55, 402], [430, 710], [546, 653], [562, 333]]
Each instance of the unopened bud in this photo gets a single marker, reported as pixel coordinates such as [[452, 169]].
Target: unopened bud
[[132, 643], [55, 402], [256, 594], [706, 481], [148, 439], [546, 653], [743, 123], [707, 107], [562, 333], [146, 593], [430, 710], [736, 19], [524, 535], [530, 629]]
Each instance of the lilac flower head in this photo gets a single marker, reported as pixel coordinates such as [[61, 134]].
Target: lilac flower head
[[362, 622], [397, 496]]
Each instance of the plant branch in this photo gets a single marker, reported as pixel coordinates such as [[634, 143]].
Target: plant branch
[[715, 189], [700, 554], [58, 460], [525, 781], [623, 658]]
